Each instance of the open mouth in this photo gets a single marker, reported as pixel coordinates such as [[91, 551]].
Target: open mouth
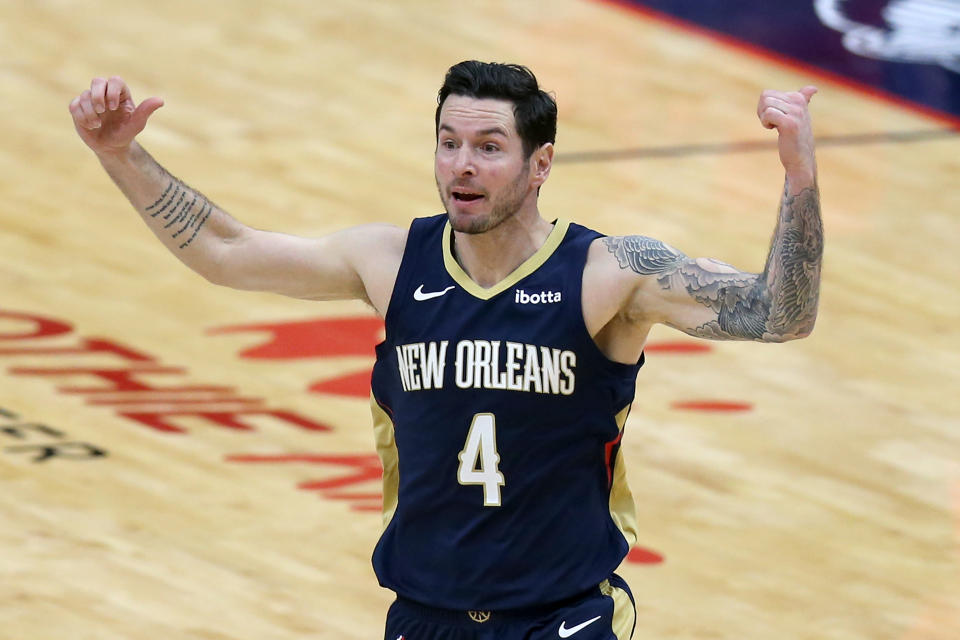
[[466, 196]]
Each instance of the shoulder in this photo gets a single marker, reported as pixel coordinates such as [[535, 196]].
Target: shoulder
[[622, 269], [375, 246], [641, 255], [610, 280], [630, 259], [373, 242], [380, 232], [375, 251]]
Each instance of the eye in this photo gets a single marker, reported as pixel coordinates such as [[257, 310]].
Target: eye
[[490, 148], [448, 144]]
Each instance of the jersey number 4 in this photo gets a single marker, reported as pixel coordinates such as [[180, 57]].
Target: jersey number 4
[[479, 459]]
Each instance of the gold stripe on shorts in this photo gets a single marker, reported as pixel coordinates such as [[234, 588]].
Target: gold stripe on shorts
[[624, 615]]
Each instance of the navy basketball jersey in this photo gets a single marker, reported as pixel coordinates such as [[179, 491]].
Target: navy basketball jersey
[[498, 421]]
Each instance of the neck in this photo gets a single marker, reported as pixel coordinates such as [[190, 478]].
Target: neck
[[491, 256]]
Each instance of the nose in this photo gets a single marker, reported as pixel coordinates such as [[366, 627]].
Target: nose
[[463, 162]]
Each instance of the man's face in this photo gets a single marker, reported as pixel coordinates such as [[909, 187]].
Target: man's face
[[481, 172]]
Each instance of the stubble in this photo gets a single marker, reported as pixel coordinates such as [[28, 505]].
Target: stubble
[[504, 207]]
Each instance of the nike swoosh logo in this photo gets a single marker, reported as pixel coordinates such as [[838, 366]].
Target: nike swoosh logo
[[566, 633], [421, 296]]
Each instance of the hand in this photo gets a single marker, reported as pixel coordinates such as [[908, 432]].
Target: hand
[[787, 112], [107, 119]]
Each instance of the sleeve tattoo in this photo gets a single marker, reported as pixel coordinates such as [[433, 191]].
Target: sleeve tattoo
[[779, 304]]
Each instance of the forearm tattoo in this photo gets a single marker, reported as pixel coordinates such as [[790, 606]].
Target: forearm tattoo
[[777, 305], [183, 210]]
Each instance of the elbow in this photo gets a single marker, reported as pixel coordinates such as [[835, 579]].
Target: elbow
[[797, 331], [210, 269], [805, 328], [804, 332], [213, 277], [216, 273], [225, 278], [216, 269]]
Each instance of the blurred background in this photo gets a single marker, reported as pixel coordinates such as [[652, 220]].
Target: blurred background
[[189, 461]]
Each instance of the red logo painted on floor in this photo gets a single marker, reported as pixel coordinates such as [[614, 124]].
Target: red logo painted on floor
[[639, 555], [358, 335], [125, 378]]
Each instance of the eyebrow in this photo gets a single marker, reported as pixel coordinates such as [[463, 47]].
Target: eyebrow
[[484, 132]]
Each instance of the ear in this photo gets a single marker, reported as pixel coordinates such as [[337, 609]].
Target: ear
[[540, 162]]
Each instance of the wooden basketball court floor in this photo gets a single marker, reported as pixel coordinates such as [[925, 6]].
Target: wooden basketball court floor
[[806, 490]]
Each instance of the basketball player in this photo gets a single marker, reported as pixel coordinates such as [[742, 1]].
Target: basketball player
[[512, 345]]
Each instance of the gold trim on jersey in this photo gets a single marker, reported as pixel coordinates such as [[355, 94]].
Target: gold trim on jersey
[[622, 509], [387, 450], [528, 266], [624, 614]]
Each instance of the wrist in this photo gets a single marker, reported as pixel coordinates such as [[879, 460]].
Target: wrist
[[116, 156], [799, 179]]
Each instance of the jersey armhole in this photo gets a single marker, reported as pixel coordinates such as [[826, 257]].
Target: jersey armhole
[[412, 252], [618, 367]]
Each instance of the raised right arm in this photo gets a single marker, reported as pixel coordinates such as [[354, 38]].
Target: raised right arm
[[355, 263]]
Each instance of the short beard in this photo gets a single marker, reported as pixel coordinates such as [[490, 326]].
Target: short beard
[[504, 208]]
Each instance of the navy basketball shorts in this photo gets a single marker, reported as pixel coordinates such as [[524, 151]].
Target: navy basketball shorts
[[606, 612]]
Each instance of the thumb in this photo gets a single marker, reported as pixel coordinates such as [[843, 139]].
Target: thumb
[[143, 112], [808, 92]]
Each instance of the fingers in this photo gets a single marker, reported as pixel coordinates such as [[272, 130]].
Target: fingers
[[88, 110], [87, 107], [786, 101], [117, 93], [110, 101], [77, 113], [780, 107], [774, 110], [98, 87], [773, 117], [108, 94], [83, 112], [799, 98]]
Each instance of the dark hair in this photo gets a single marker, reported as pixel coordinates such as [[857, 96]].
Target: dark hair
[[534, 111]]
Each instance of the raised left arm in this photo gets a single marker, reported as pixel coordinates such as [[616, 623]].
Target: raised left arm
[[711, 299]]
